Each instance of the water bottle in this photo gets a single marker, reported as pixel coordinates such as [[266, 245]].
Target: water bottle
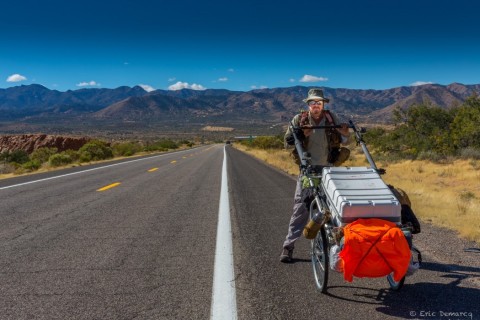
[[311, 229]]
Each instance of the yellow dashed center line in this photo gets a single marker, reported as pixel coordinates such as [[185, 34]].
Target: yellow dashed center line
[[113, 185], [174, 161], [153, 169]]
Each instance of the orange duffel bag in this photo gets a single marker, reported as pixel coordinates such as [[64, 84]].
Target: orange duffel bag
[[374, 248]]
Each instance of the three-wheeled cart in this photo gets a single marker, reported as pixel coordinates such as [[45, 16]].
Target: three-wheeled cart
[[340, 196]]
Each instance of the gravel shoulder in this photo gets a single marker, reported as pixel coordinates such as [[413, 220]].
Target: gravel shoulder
[[455, 254]]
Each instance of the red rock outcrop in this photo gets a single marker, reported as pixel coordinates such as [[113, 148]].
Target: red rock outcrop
[[32, 142]]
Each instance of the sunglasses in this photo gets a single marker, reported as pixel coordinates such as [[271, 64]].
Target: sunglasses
[[313, 102]]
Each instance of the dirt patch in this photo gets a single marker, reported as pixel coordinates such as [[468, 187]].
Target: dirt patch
[[217, 129]]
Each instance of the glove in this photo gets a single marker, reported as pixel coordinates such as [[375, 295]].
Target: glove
[[299, 133], [290, 140], [300, 136]]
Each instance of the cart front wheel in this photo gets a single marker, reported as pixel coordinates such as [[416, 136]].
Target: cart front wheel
[[320, 261]]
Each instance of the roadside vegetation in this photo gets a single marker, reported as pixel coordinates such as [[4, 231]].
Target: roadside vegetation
[[432, 154], [20, 162], [428, 132]]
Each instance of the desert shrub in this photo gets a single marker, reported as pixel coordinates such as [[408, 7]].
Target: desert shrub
[[74, 155], [6, 168], [268, 142], [95, 150], [16, 156], [161, 145], [470, 153], [186, 142], [431, 156], [43, 154], [32, 165], [126, 149], [59, 159]]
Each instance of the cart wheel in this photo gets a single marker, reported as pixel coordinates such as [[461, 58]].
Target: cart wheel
[[395, 286], [320, 261]]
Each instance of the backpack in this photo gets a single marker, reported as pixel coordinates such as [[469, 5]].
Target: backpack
[[334, 139]]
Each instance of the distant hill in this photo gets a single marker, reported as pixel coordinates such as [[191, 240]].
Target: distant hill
[[31, 100], [37, 103]]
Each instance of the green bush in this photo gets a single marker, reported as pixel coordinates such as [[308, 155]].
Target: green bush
[[74, 155], [59, 159], [43, 154], [4, 156], [161, 145], [126, 149], [32, 165], [95, 150], [16, 156]]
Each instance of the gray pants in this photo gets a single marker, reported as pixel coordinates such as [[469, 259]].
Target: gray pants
[[298, 220]]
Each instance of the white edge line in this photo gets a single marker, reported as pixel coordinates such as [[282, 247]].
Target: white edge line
[[87, 170], [224, 304]]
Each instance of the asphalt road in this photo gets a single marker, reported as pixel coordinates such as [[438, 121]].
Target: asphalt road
[[144, 248]]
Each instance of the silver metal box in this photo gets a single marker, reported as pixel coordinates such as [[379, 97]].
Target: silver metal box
[[358, 192]]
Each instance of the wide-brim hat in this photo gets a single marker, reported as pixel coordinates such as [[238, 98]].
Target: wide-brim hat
[[315, 94]]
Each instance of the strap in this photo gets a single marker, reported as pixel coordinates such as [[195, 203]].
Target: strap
[[329, 117], [373, 245]]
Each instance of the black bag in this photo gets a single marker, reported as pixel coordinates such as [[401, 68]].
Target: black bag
[[409, 218], [333, 154]]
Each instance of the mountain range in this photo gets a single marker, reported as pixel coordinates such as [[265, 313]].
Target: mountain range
[[35, 103]]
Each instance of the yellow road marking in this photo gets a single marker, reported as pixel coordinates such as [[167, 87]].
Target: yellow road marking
[[113, 185], [173, 161], [184, 157], [153, 169]]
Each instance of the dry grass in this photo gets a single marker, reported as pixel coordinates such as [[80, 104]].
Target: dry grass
[[446, 195], [277, 158]]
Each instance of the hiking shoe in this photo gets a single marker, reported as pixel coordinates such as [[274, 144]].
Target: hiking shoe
[[286, 256]]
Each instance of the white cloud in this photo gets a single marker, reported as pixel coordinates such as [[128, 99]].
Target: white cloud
[[172, 79], [310, 78], [197, 87], [87, 84], [291, 80], [419, 83], [231, 70], [224, 79], [261, 87], [16, 78], [184, 85], [147, 88]]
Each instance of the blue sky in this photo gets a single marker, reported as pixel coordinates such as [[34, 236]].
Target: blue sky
[[238, 44]]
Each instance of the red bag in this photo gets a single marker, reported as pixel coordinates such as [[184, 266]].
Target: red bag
[[374, 248]]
